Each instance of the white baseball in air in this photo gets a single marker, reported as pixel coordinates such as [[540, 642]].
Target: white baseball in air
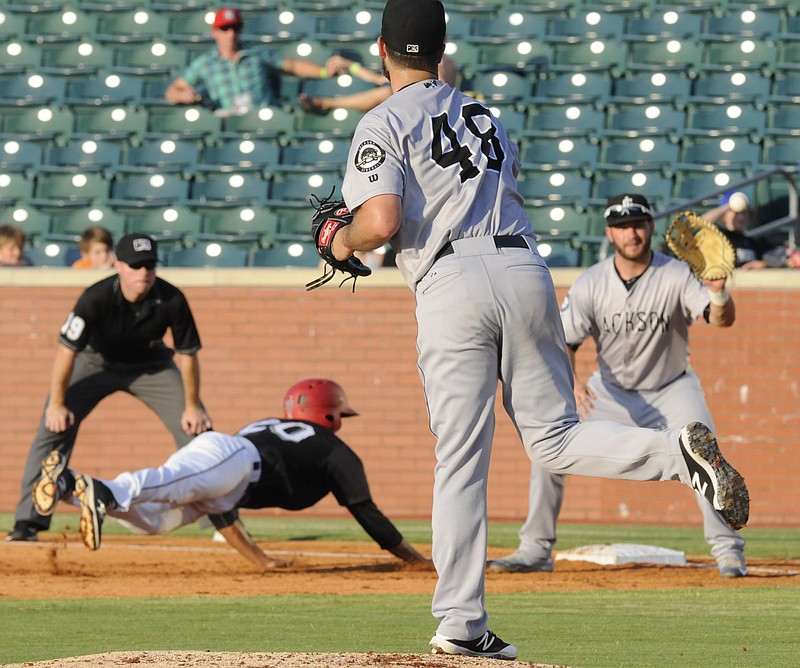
[[738, 202]]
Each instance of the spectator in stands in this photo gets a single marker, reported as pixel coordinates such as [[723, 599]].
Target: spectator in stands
[[751, 252], [97, 249], [232, 78], [365, 100], [12, 247]]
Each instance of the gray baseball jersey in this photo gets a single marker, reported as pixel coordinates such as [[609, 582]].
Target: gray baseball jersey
[[641, 334], [439, 161]]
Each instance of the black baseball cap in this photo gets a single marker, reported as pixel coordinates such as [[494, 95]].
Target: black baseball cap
[[414, 27], [137, 248], [627, 208]]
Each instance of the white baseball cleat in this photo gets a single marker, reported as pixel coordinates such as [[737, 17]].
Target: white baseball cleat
[[488, 646]]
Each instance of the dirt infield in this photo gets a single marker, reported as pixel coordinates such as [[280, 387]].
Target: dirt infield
[[60, 566]]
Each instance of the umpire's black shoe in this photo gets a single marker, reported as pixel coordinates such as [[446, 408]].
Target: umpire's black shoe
[[55, 482], [95, 500], [488, 646], [713, 476], [23, 532]]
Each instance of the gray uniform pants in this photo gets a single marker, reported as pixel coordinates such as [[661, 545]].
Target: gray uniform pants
[[677, 404], [485, 314], [160, 389]]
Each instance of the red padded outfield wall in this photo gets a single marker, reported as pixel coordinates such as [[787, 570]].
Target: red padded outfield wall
[[262, 332]]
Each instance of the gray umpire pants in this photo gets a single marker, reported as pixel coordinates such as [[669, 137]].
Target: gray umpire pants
[[160, 389], [677, 404]]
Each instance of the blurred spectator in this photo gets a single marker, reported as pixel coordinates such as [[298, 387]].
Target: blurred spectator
[[12, 245], [97, 249], [365, 100], [232, 78], [751, 252]]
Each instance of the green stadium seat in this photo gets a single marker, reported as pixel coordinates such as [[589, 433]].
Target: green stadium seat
[[656, 86], [122, 122], [73, 223], [739, 53], [666, 53], [39, 123], [559, 150], [59, 187], [559, 220], [586, 86], [569, 118], [645, 118], [280, 25], [229, 188], [159, 58], [557, 252], [189, 122], [607, 54], [241, 153], [648, 179], [172, 226], [32, 88], [86, 152], [554, 185], [321, 150], [588, 23], [12, 25], [353, 23], [134, 188], [744, 85], [640, 151], [60, 23], [241, 224], [294, 187], [729, 151], [19, 56], [337, 121], [53, 253], [209, 254], [19, 155], [167, 152], [783, 119], [510, 24], [710, 120], [105, 88], [85, 57], [136, 25], [501, 86], [760, 22], [665, 22], [513, 117], [15, 187], [706, 183], [525, 55], [265, 122], [288, 254]]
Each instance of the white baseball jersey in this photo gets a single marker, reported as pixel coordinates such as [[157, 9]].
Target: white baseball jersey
[[641, 334], [436, 148]]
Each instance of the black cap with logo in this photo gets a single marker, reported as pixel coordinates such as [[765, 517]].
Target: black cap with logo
[[414, 27], [629, 208]]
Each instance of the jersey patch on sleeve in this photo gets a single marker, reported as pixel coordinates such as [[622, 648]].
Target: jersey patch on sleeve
[[369, 156]]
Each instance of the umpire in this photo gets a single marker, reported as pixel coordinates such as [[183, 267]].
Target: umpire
[[113, 340]]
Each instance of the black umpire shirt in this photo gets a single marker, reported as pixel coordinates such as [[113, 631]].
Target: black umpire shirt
[[129, 336], [301, 463]]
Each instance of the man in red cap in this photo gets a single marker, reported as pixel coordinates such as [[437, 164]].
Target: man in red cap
[[232, 77]]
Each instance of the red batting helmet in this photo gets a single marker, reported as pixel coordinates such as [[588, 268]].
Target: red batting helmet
[[319, 401]]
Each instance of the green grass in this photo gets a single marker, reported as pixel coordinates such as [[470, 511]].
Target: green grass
[[748, 626]]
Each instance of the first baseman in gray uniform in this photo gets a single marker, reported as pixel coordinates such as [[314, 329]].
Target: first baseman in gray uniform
[[431, 171], [637, 306]]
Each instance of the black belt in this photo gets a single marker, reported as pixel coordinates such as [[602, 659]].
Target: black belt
[[506, 241]]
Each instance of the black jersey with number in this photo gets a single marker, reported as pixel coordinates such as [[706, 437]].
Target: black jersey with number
[[301, 463], [130, 334]]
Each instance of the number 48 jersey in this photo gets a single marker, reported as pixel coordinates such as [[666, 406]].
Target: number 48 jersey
[[451, 162]]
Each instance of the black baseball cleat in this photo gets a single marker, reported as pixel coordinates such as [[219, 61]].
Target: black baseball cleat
[[488, 646], [23, 532], [56, 482], [712, 476], [95, 500]]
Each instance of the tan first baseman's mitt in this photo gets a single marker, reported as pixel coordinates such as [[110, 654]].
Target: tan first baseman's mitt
[[702, 246]]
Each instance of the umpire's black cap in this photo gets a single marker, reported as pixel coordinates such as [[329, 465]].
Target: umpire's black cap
[[627, 208], [137, 248], [414, 27]]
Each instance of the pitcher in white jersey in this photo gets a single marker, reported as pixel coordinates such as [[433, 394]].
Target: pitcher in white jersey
[[432, 172], [637, 306]]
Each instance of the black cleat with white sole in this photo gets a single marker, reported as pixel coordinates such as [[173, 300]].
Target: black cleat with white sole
[[488, 646], [713, 476]]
